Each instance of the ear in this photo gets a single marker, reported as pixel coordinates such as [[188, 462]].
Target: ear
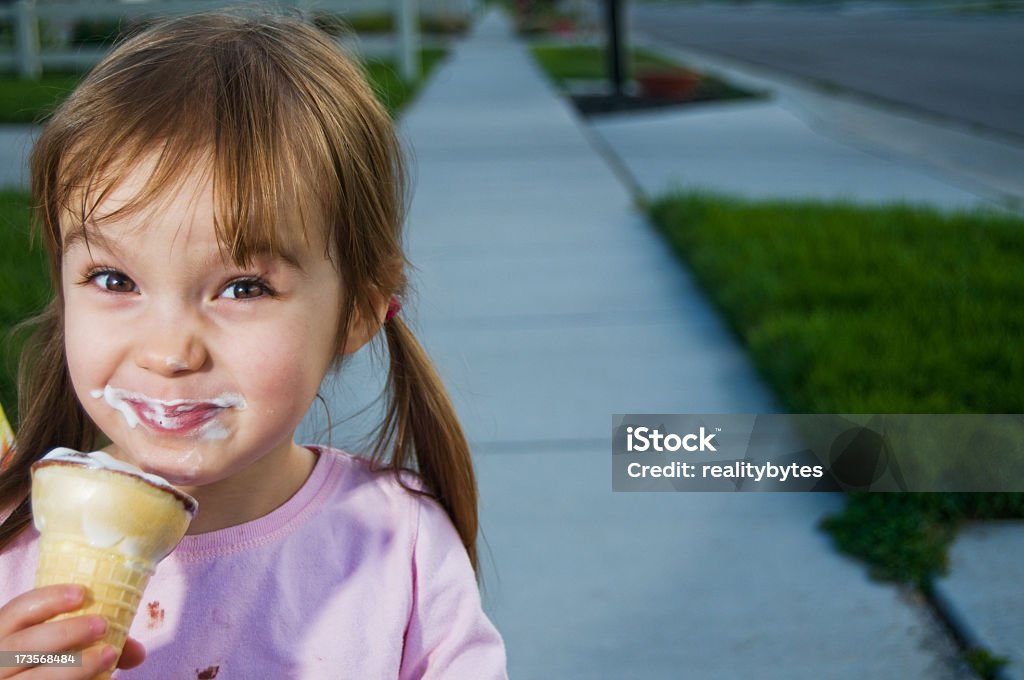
[[361, 330]]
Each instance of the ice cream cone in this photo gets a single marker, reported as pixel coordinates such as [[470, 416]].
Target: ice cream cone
[[6, 441], [106, 528]]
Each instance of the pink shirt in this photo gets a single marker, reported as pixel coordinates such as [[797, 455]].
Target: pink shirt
[[353, 577]]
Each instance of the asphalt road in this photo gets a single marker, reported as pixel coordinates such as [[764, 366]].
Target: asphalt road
[[967, 68]]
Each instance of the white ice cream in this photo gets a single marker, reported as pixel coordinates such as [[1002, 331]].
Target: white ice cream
[[99, 460], [166, 413]]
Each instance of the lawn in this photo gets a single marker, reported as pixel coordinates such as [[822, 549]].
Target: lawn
[[389, 86], [31, 102], [24, 101], [855, 309], [384, 22], [24, 286], [851, 309]]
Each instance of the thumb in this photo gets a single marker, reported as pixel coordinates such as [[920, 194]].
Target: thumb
[[132, 655]]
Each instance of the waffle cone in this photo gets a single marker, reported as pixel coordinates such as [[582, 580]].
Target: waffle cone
[[105, 530], [115, 583]]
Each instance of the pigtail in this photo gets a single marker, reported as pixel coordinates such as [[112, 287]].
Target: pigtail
[[421, 424], [50, 416]]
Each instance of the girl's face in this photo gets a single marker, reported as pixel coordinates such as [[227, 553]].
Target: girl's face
[[197, 370]]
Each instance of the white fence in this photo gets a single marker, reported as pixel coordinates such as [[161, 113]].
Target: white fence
[[29, 59]]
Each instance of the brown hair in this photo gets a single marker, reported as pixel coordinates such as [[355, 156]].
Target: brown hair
[[282, 115]]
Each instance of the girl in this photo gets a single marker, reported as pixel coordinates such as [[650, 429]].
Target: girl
[[221, 202]]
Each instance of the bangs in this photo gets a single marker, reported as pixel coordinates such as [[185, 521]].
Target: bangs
[[299, 150], [253, 214], [183, 107]]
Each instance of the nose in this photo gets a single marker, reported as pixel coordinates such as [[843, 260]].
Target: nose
[[170, 342]]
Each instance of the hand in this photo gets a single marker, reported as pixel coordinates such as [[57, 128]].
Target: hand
[[24, 626]]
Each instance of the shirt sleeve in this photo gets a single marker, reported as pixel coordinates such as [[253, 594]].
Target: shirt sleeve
[[448, 635]]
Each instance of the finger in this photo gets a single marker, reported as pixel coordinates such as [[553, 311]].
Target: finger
[[132, 655], [77, 632], [98, 659], [39, 605]]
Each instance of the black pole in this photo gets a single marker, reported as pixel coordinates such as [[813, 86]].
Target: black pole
[[615, 61]]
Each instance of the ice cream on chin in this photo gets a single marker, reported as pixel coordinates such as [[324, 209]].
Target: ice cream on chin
[[104, 524]]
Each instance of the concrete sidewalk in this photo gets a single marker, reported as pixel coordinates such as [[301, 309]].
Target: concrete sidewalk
[[802, 143], [549, 304], [15, 146], [762, 150]]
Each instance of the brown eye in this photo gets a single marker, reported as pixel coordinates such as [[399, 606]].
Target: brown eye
[[245, 289], [113, 281]]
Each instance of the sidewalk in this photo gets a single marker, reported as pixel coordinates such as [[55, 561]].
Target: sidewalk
[[15, 146], [548, 304], [922, 152], [761, 150]]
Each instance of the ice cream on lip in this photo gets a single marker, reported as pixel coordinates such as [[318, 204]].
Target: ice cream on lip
[[173, 414]]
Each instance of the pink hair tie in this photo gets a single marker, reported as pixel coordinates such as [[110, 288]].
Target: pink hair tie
[[394, 306]]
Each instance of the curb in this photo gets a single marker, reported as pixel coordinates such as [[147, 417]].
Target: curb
[[956, 623], [941, 147]]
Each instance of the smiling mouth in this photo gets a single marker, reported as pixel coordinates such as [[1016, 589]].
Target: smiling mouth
[[176, 417]]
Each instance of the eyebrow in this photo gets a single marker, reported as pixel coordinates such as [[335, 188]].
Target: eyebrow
[[81, 235]]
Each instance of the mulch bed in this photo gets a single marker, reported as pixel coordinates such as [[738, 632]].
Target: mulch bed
[[600, 104]]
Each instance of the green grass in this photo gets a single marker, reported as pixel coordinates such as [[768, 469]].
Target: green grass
[[388, 84], [24, 287], [986, 664], [384, 22], [904, 537], [853, 309], [24, 101], [100, 32], [850, 309]]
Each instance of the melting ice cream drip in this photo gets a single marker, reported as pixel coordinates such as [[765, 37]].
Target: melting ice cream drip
[[165, 413], [115, 399], [213, 430]]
